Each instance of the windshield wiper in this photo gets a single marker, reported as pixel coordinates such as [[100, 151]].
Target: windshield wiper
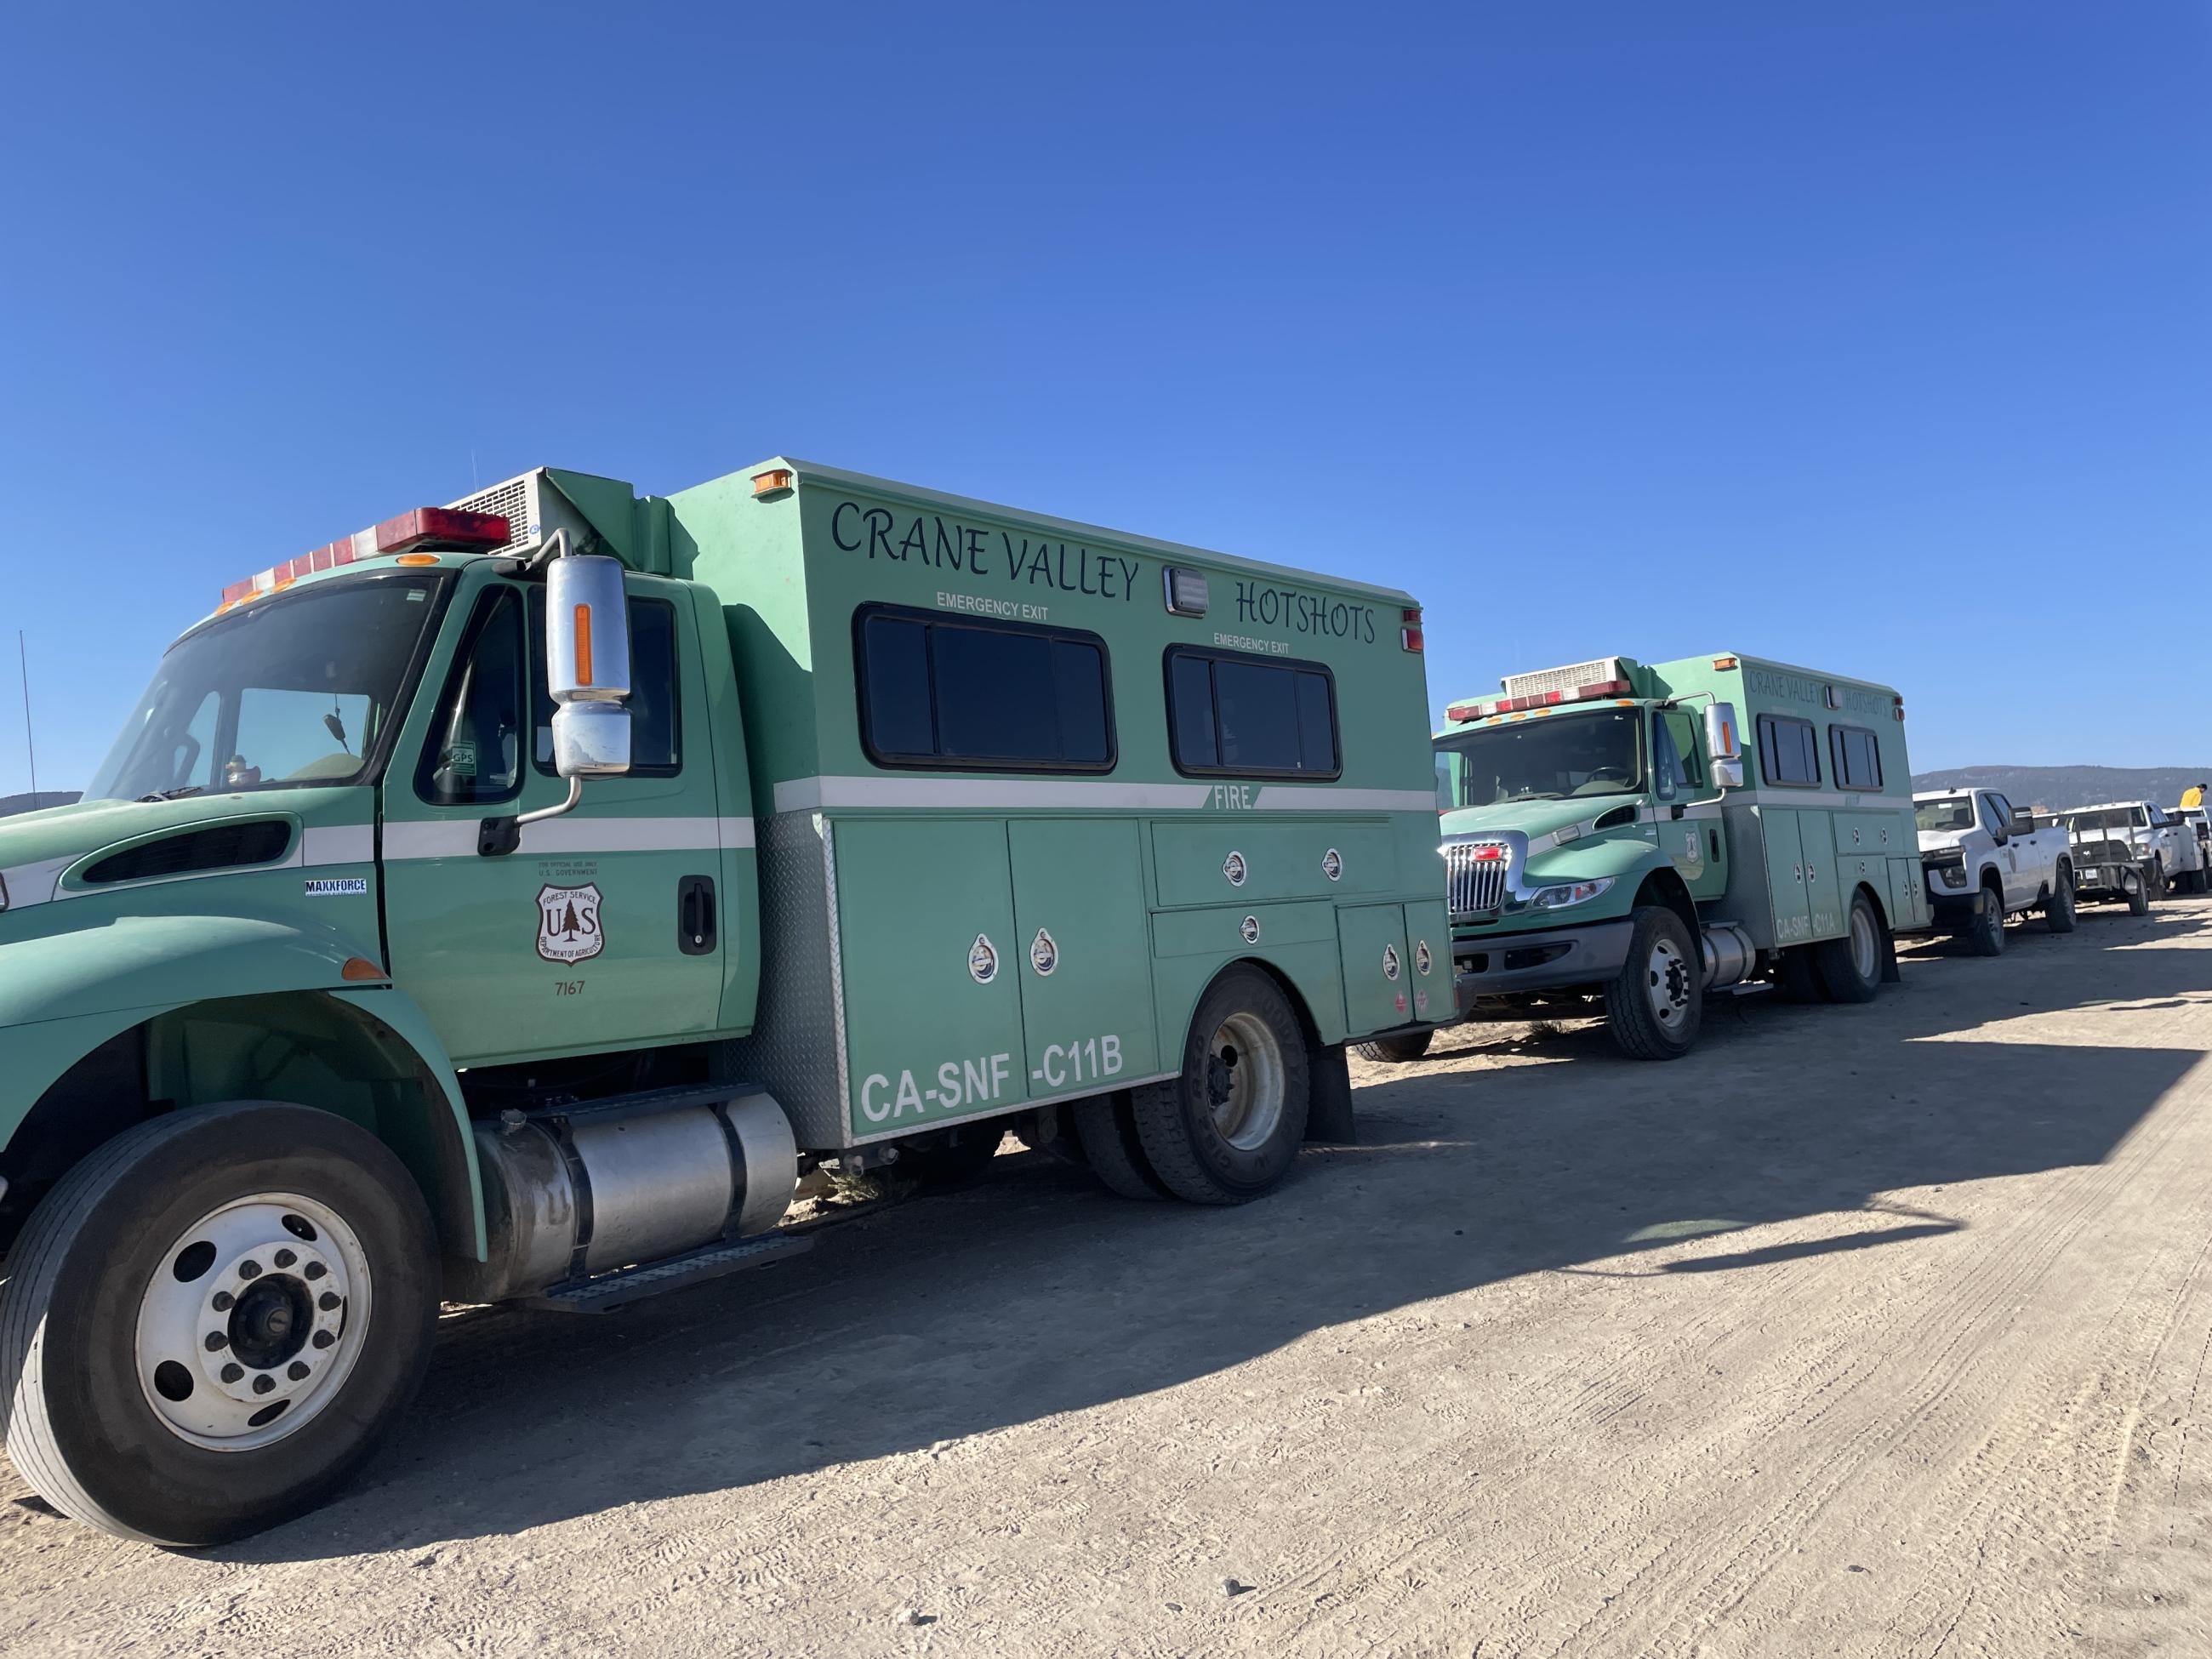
[[174, 794]]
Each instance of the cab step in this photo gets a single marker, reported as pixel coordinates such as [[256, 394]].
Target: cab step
[[625, 1286]]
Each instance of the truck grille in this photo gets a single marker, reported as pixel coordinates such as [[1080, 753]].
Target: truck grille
[[1475, 886]]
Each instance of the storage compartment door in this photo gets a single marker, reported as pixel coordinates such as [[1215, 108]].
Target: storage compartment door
[[1785, 876], [1085, 958], [930, 960], [1824, 903], [1378, 976]]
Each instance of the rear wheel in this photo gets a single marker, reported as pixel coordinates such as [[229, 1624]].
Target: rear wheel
[[1851, 967], [1226, 1129], [2159, 885], [2059, 914], [212, 1318], [1399, 1048], [1797, 977], [1986, 935], [1655, 1005], [1107, 1134]]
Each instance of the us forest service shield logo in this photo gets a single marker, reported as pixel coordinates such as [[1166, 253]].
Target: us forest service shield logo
[[568, 923]]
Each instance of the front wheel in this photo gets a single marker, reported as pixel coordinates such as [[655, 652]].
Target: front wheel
[[2160, 885], [2059, 911], [2138, 893], [1851, 967], [1226, 1129], [1655, 1005], [211, 1319], [1986, 936]]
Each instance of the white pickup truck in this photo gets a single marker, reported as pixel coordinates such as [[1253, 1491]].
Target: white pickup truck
[[2167, 847], [1984, 859]]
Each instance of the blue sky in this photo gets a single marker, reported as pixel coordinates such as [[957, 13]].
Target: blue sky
[[1875, 338]]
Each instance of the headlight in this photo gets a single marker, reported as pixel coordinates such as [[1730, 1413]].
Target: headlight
[[1573, 892]]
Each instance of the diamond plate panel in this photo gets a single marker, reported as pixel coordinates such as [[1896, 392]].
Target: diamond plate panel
[[797, 1050]]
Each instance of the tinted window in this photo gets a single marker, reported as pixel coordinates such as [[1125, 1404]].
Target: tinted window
[[1190, 712], [936, 692], [655, 725], [1786, 752], [474, 751], [1857, 756], [1240, 714]]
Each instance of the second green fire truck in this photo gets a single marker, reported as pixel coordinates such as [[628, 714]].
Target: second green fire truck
[[1632, 837]]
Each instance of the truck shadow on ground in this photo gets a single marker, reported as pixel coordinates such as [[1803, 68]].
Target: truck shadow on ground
[[1035, 1293]]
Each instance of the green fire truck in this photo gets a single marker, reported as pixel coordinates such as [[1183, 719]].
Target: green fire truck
[[516, 900], [1636, 836]]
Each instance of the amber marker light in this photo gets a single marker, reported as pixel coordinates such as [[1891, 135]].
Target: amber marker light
[[417, 558], [584, 645], [358, 968], [774, 482]]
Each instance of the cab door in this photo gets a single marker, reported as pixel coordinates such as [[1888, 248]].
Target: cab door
[[604, 930], [1689, 820], [1085, 956]]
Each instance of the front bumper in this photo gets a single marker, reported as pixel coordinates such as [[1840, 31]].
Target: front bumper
[[1541, 961]]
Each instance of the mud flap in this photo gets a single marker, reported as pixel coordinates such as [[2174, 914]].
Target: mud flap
[[1328, 1110]]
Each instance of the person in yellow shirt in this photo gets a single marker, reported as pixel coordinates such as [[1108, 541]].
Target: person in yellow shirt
[[2194, 795]]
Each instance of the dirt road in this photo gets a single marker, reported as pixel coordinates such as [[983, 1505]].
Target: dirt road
[[1860, 1331]]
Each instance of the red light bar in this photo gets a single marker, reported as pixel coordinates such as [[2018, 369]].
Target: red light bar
[[1464, 711], [448, 527], [1543, 700]]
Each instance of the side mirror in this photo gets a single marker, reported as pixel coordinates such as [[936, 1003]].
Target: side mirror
[[2023, 823], [588, 665], [1724, 745]]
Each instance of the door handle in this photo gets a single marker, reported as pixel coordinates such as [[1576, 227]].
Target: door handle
[[694, 915]]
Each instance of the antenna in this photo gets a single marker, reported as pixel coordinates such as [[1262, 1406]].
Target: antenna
[[23, 657]]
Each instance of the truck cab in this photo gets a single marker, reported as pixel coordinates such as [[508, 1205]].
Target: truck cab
[[1610, 842], [513, 901]]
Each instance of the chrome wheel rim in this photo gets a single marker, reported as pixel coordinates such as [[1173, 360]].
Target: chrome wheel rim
[[1667, 983], [1866, 950], [252, 1322], [1244, 1081]]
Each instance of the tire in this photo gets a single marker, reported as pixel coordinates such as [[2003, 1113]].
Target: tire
[[1226, 1129], [2161, 883], [2139, 896], [1986, 935], [1655, 1004], [1851, 967], [1398, 1049], [214, 1190], [1108, 1135], [2058, 911]]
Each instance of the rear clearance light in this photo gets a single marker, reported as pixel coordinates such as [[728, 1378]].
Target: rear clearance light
[[1541, 700], [426, 527], [1899, 702], [1410, 634], [1723, 664]]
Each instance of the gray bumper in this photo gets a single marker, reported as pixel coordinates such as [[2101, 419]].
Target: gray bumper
[[1540, 962]]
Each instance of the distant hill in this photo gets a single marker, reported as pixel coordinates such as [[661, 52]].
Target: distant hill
[[2059, 788], [28, 803]]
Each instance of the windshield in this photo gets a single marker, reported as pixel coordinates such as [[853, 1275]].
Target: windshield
[[290, 691], [1558, 758], [2113, 818], [1955, 812]]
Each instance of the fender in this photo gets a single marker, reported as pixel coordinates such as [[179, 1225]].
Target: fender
[[66, 988], [1626, 858]]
